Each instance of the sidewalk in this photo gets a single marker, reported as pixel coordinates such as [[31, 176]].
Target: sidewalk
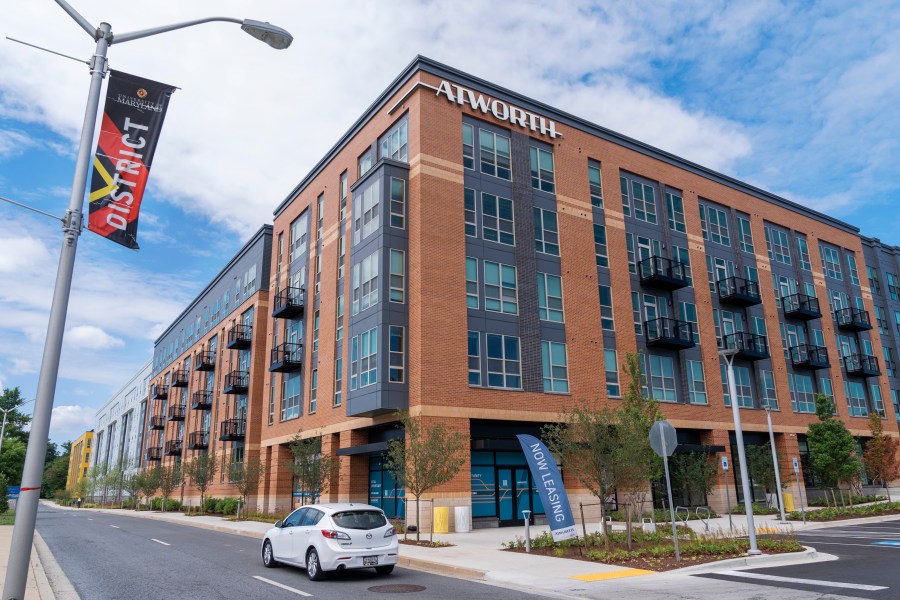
[[37, 586]]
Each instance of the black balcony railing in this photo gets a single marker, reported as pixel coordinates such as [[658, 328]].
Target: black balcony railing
[[201, 400], [157, 422], [180, 378], [749, 346], [286, 357], [160, 392], [809, 356], [206, 361], [861, 365], [236, 382], [198, 440], [852, 319], [663, 273], [669, 333], [173, 448], [289, 303], [154, 453], [176, 412], [239, 337], [232, 429], [738, 291], [801, 306]]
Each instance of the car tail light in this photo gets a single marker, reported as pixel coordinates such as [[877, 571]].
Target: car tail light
[[335, 535], [390, 532]]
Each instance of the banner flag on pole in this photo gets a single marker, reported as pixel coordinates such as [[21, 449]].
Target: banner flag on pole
[[549, 482], [132, 119]]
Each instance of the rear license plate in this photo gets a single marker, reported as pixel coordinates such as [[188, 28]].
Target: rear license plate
[[370, 561]]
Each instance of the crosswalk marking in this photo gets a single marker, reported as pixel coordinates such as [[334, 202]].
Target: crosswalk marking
[[818, 582]]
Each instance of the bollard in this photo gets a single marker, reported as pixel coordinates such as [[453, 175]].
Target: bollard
[[527, 515]]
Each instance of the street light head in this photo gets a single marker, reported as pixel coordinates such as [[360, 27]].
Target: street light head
[[274, 36], [727, 351]]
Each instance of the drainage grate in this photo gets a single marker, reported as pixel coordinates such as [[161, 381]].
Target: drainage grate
[[397, 588]]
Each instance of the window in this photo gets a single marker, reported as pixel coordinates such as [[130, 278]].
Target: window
[[500, 288], [892, 286], [313, 390], [606, 309], [343, 187], [394, 142], [339, 331], [315, 347], [365, 162], [299, 233], [366, 212], [550, 302], [831, 262], [290, 397], [803, 397], [474, 358], [503, 370], [643, 202], [601, 250], [683, 256], [629, 246], [873, 279], [778, 245], [368, 353], [662, 378], [695, 381], [687, 312], [398, 276], [742, 386], [342, 254], [542, 170], [856, 399], [611, 365], [471, 282], [320, 215], [745, 234], [398, 203], [803, 254], [555, 370], [338, 381], [767, 387], [397, 356], [354, 362], [717, 226], [365, 283], [675, 208], [626, 200], [596, 185], [471, 222], [889, 364], [877, 402], [546, 232], [851, 269], [497, 219], [494, 154], [468, 135]]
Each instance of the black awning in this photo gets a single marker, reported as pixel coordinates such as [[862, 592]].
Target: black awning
[[376, 448]]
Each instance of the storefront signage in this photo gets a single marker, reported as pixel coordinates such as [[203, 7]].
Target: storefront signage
[[501, 110], [549, 482]]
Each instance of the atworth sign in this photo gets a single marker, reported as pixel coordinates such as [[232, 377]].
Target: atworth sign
[[501, 110]]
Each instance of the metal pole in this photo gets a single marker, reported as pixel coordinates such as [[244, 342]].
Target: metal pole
[[728, 499], [669, 492], [3, 428], [26, 511], [742, 457], [800, 494], [527, 515], [775, 462]]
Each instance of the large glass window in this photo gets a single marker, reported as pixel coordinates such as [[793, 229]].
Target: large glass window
[[398, 276], [611, 366], [363, 359], [394, 143], [778, 245], [803, 253], [606, 309], [767, 387], [338, 381], [365, 283], [366, 212], [742, 384], [299, 234], [856, 399], [542, 177], [471, 218], [397, 356], [398, 203], [471, 282], [601, 250], [596, 185], [675, 208], [717, 226], [643, 202], [474, 345], [503, 367], [468, 135], [745, 234], [546, 232], [696, 382], [550, 302], [831, 262], [313, 390], [290, 396], [555, 369], [500, 288], [662, 378], [494, 154], [497, 219], [803, 396], [852, 270]]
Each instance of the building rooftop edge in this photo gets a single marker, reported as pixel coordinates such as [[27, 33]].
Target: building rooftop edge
[[147, 366]]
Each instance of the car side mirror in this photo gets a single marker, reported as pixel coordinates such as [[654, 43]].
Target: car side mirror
[[279, 524]]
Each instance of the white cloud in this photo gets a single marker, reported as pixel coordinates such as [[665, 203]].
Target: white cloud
[[13, 143], [70, 421], [92, 338], [19, 252]]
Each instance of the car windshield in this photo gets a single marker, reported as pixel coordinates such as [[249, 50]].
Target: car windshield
[[359, 519]]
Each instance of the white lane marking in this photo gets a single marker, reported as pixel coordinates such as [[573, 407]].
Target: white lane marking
[[818, 543], [90, 519], [281, 585], [836, 584], [160, 542], [116, 526]]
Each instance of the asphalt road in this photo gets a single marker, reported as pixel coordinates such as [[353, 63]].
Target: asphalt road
[[108, 557]]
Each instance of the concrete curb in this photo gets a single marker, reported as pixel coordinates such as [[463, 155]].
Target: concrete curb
[[420, 564], [808, 554], [51, 581]]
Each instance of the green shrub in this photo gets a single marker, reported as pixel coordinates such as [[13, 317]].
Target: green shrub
[[828, 514], [826, 501], [758, 509], [4, 505], [171, 505], [227, 506], [210, 505]]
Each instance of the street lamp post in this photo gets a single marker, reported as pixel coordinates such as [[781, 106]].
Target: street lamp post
[[775, 462], [728, 355], [26, 510], [7, 411]]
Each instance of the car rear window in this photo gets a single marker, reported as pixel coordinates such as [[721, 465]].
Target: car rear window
[[359, 519]]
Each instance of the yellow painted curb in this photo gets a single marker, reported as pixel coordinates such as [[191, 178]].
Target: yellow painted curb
[[612, 575]]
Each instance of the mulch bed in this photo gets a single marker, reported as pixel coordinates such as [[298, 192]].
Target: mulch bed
[[810, 514], [424, 543]]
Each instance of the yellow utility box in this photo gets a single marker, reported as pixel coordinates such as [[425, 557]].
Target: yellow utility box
[[788, 502], [441, 519]]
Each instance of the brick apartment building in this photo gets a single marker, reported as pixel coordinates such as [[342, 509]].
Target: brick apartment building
[[487, 261]]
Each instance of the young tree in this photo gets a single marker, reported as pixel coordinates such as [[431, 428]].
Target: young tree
[[115, 481], [312, 469], [245, 477], [12, 460], [150, 481], [16, 420], [132, 484], [880, 455], [56, 472], [169, 479], [694, 473], [201, 470], [831, 446], [761, 468], [96, 477], [430, 457]]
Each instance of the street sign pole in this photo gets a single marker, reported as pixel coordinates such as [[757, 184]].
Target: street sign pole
[[663, 440], [799, 492], [727, 491], [671, 506]]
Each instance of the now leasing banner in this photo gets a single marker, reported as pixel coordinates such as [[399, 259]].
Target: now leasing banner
[[132, 119], [549, 482]]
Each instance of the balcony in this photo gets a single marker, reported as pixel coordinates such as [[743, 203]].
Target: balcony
[[180, 378], [663, 273], [206, 361], [198, 440], [176, 412], [173, 448], [239, 337], [801, 307], [201, 400], [160, 392], [860, 365], [154, 453], [286, 358], [669, 333], [852, 319], [738, 291], [748, 345], [232, 430], [236, 382], [809, 356], [157, 423], [289, 303]]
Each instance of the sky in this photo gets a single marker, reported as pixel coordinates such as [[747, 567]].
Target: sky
[[797, 98]]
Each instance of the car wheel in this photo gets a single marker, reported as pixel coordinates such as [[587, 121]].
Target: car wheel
[[385, 570], [268, 556], [313, 567]]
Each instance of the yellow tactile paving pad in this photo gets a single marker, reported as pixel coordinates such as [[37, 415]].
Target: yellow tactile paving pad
[[612, 575]]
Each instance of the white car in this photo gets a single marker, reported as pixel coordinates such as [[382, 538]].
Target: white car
[[332, 537]]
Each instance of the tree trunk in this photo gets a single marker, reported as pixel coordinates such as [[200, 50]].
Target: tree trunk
[[418, 518], [887, 491], [628, 524]]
